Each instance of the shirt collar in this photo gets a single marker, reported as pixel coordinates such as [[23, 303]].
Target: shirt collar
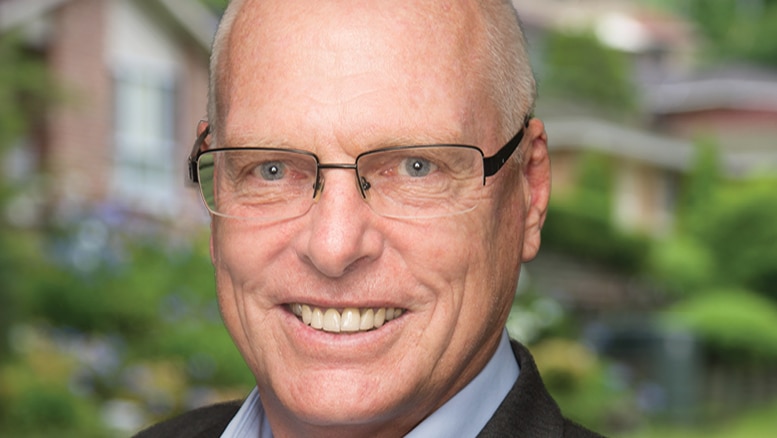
[[469, 410], [464, 415]]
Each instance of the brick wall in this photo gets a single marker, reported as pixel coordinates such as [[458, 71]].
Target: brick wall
[[80, 130]]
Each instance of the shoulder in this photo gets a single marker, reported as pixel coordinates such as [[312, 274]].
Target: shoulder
[[529, 410], [208, 421]]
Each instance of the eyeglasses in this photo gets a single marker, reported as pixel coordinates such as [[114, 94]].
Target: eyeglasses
[[399, 182]]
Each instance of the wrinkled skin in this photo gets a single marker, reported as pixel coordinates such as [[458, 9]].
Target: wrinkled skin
[[339, 78]]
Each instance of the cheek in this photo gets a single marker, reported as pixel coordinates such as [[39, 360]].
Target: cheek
[[438, 248], [242, 256], [241, 250], [493, 250], [449, 257]]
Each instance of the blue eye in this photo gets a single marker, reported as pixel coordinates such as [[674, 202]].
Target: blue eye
[[272, 171], [416, 167]]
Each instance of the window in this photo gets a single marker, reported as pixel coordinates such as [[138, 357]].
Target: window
[[145, 121]]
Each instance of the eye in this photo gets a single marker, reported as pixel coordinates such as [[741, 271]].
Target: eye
[[271, 171], [416, 167]]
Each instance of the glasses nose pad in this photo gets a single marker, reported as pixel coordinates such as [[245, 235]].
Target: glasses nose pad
[[318, 186], [364, 185]]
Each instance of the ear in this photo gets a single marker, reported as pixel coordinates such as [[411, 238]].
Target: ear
[[202, 125], [536, 174], [203, 135]]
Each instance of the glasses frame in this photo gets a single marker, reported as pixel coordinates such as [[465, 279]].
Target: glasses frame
[[491, 165]]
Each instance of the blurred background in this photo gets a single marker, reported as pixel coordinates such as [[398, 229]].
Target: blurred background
[[651, 309]]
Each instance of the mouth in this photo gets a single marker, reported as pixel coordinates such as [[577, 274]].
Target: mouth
[[348, 320]]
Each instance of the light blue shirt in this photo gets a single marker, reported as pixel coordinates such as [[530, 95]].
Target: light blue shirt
[[464, 415]]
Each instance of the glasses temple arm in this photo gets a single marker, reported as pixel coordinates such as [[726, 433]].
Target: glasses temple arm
[[492, 164], [192, 161]]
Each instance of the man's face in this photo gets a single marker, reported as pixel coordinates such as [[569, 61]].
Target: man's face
[[338, 80]]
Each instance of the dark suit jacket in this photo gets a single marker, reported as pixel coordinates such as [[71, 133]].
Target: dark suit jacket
[[527, 411]]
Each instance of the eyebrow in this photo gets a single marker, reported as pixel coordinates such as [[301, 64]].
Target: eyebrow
[[238, 141], [438, 138]]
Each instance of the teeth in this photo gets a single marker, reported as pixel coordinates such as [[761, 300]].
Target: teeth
[[307, 314], [367, 318], [380, 318], [350, 320], [332, 321], [317, 322]]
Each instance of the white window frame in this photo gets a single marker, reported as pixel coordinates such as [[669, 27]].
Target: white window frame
[[145, 121]]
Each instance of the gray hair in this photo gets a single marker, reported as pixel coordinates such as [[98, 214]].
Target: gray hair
[[508, 72], [508, 69]]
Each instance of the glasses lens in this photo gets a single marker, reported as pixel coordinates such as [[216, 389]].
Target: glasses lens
[[257, 183], [422, 181]]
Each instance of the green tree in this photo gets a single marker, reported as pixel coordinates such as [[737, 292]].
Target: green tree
[[216, 5], [579, 67], [580, 223], [701, 185], [740, 231], [738, 29], [26, 89], [734, 321]]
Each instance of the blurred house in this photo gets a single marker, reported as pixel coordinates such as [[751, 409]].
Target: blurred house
[[135, 75], [734, 107]]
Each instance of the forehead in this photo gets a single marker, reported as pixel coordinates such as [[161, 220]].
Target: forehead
[[351, 62]]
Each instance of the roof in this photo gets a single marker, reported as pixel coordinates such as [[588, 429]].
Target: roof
[[595, 134], [728, 87], [590, 134], [17, 12], [194, 18]]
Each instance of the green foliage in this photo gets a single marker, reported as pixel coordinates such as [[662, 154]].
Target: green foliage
[[35, 404], [577, 233], [730, 320], [579, 382], [738, 29], [25, 89], [704, 179], [579, 67], [724, 246], [684, 265], [12, 289], [127, 298], [580, 224], [216, 5], [594, 186], [759, 423], [151, 305], [208, 353], [741, 234]]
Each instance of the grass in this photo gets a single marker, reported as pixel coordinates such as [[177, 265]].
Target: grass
[[758, 423]]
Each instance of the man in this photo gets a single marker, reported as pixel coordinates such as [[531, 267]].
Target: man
[[370, 299]]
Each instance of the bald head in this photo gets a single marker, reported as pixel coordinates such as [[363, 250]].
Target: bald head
[[480, 41], [353, 82]]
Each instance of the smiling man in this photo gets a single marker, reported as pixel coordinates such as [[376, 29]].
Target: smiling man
[[375, 181]]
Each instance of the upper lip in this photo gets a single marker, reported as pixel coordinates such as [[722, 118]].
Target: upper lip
[[341, 306]]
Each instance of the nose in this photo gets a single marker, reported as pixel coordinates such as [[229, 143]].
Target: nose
[[341, 234]]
